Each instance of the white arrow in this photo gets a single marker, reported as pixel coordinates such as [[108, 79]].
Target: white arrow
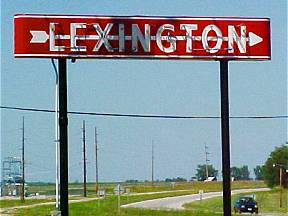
[[39, 37], [42, 37], [254, 39]]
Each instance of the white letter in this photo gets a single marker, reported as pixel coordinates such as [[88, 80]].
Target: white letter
[[219, 38], [172, 46], [188, 28], [233, 36], [52, 39], [103, 37], [74, 37], [121, 38], [137, 35]]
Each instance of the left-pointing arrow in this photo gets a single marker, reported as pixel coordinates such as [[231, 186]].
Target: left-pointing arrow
[[39, 37]]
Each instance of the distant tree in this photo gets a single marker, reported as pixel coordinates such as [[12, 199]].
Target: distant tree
[[201, 172], [278, 156], [236, 173], [245, 173], [240, 173], [178, 179], [258, 171], [131, 181]]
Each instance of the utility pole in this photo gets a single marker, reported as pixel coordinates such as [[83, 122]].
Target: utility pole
[[152, 164], [84, 159], [96, 160], [206, 161], [281, 166], [23, 163], [280, 183]]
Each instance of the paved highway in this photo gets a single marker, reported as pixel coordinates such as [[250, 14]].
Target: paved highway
[[178, 201]]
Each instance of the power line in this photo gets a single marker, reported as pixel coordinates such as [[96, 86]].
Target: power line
[[143, 115]]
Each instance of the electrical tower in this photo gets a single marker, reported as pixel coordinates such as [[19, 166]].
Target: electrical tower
[[11, 176]]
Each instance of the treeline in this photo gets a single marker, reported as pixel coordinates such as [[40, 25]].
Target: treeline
[[274, 169], [237, 173], [178, 179]]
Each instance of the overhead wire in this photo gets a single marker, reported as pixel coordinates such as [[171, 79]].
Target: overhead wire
[[143, 115]]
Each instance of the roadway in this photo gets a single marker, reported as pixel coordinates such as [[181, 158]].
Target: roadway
[[177, 202]]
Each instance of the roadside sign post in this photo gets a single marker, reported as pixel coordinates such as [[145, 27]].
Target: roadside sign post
[[142, 37], [63, 130], [173, 185], [118, 190], [224, 88], [200, 194], [127, 191], [119, 202]]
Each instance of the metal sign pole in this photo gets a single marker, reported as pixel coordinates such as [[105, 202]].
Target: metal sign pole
[[63, 129], [225, 137], [119, 202]]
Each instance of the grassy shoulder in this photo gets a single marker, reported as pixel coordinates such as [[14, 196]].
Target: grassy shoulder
[[268, 202], [142, 187], [6, 203], [192, 187], [18, 202], [108, 206]]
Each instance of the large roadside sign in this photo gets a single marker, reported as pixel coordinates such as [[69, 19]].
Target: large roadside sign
[[142, 37], [207, 38]]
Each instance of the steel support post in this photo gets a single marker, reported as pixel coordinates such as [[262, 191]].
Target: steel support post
[[225, 137], [63, 131]]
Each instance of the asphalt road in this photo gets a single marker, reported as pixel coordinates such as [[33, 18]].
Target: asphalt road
[[178, 201]]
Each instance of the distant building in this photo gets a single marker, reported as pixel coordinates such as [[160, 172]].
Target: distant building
[[211, 178]]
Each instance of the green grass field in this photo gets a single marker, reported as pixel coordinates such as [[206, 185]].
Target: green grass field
[[76, 189], [108, 206], [268, 202], [11, 203], [141, 187]]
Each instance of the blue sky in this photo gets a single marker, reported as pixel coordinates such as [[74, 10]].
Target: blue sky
[[145, 87]]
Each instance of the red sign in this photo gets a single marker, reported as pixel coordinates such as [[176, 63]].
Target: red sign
[[73, 36]]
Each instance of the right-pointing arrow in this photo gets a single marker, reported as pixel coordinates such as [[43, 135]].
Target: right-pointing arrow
[[39, 37], [254, 39]]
